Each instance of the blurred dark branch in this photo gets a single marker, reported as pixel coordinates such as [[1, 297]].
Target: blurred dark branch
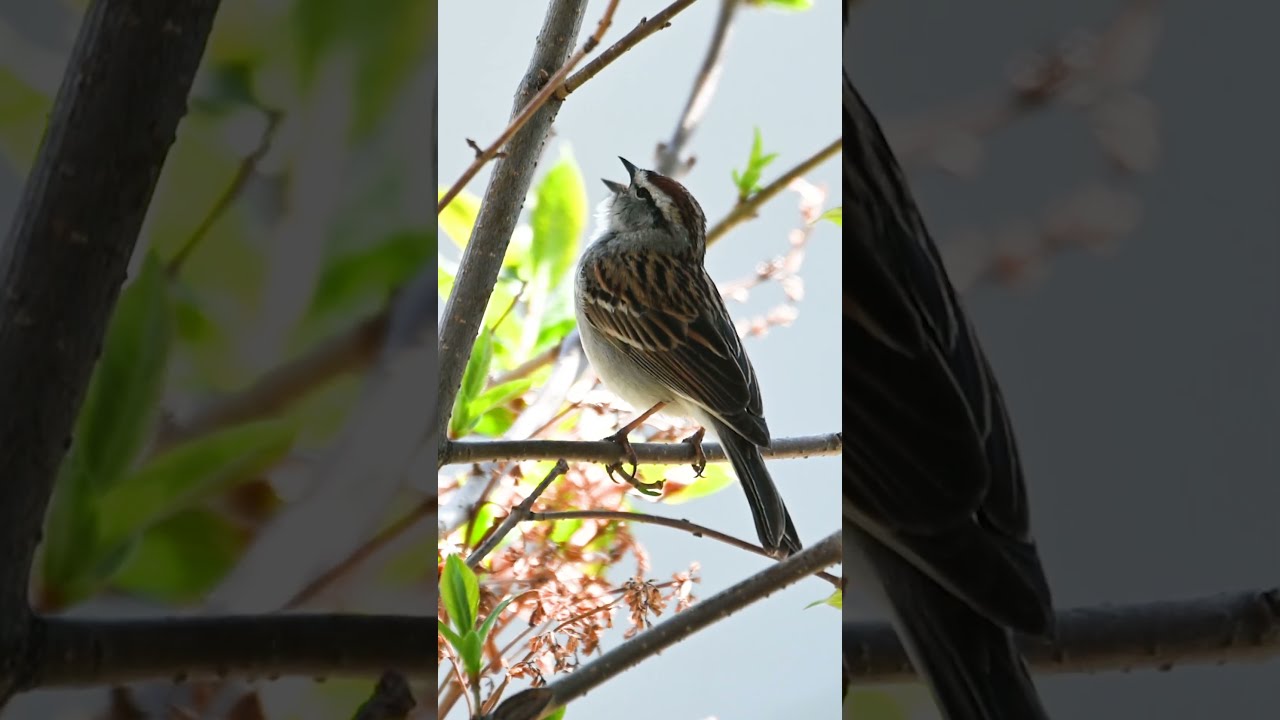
[[607, 451], [1234, 627], [66, 255], [71, 652], [350, 350], [500, 208], [704, 88]]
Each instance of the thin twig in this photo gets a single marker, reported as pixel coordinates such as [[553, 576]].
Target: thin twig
[[247, 167], [518, 513], [352, 349], [366, 550], [549, 89], [746, 209], [644, 29], [607, 451], [690, 527], [704, 88], [662, 636]]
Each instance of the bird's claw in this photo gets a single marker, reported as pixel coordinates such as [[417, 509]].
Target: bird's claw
[[632, 478], [699, 457]]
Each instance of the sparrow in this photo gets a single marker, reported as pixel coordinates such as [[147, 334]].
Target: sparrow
[[657, 333]]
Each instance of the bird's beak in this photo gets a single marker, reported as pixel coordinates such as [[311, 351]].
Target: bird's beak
[[631, 169], [614, 187]]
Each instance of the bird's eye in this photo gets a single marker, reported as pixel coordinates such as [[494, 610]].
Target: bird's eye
[[643, 194]]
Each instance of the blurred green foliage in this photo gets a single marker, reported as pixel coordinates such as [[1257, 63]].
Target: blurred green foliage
[[348, 84]]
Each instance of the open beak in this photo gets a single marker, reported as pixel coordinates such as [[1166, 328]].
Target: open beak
[[617, 187], [631, 169]]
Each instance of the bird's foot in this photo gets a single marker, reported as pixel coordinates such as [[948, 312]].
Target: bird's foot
[[629, 456], [699, 457]]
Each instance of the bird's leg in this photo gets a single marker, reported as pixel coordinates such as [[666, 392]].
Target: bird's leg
[[699, 457], [629, 453]]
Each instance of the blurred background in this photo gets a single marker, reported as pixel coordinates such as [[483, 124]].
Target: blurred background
[[776, 658], [292, 207], [1119, 245]]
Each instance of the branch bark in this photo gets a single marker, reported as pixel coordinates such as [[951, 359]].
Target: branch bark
[[500, 208], [66, 254], [1234, 627], [607, 451], [98, 652]]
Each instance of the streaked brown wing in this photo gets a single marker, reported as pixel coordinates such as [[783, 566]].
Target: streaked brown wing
[[684, 338], [931, 459]]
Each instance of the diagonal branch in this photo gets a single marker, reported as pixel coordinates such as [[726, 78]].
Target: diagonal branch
[[746, 209], [124, 91], [531, 704]]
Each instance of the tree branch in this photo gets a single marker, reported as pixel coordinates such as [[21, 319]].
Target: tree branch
[[530, 704], [746, 209], [66, 255], [1220, 628], [98, 652], [692, 528], [645, 28], [607, 451], [704, 88], [520, 512], [352, 349], [500, 208]]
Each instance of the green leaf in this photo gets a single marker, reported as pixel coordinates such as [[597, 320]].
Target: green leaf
[[372, 272], [835, 600], [483, 522], [494, 423], [787, 5], [123, 398], [182, 558], [558, 713], [458, 218], [487, 626], [496, 397], [454, 638], [187, 474], [748, 181], [472, 653], [474, 379], [835, 215], [558, 219], [714, 479], [71, 527], [460, 592]]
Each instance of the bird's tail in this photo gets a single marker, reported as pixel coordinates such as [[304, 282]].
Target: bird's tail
[[773, 523], [970, 664]]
